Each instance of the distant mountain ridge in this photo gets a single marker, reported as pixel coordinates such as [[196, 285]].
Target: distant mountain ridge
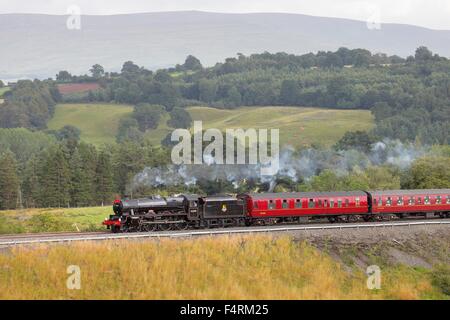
[[35, 45]]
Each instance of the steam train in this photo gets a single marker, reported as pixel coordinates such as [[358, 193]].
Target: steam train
[[195, 211]]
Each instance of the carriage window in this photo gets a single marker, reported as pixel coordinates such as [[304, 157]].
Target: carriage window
[[347, 202], [380, 201], [311, 203], [255, 204], [426, 200], [194, 203], [419, 200], [448, 199], [411, 201], [331, 203], [339, 203], [285, 204], [400, 201], [357, 202], [320, 202], [271, 204], [438, 200], [298, 203], [389, 201]]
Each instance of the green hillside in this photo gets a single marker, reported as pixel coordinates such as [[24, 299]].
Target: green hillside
[[4, 90], [298, 126], [98, 122]]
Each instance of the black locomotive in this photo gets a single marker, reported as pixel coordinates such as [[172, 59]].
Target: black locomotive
[[179, 213]]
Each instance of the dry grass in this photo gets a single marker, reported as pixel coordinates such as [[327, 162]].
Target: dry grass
[[257, 267]]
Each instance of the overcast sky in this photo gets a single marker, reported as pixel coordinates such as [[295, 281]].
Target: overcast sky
[[433, 14]]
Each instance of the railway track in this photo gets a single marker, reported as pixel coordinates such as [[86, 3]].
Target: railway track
[[23, 239]]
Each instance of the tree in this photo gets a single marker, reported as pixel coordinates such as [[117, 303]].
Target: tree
[[68, 132], [9, 181], [128, 130], [147, 115], [1, 84], [428, 173], [80, 191], [31, 185], [192, 63], [130, 69], [64, 76], [54, 178], [179, 118], [104, 178], [97, 71], [423, 54], [207, 90], [359, 140], [289, 92], [234, 97]]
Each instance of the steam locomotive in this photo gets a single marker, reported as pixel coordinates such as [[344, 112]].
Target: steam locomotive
[[195, 211]]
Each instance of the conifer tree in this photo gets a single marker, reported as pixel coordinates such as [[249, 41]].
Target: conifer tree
[[54, 177], [9, 181], [104, 178]]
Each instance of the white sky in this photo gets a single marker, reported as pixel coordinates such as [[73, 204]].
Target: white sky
[[433, 14]]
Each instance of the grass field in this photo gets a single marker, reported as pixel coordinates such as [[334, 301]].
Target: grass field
[[54, 220], [98, 122], [3, 91], [298, 126], [251, 267]]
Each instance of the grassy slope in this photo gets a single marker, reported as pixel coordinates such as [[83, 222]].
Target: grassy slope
[[3, 91], [252, 267], [97, 122], [298, 126], [53, 220]]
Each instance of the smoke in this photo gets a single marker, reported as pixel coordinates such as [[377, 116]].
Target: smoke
[[294, 165]]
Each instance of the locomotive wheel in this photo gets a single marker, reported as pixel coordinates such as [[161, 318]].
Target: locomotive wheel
[[182, 226], [148, 227], [165, 226]]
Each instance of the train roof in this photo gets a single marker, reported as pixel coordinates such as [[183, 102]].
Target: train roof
[[220, 197], [299, 195], [409, 192], [191, 197]]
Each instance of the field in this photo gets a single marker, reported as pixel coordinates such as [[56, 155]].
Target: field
[[67, 88], [54, 220], [257, 267], [98, 122], [298, 126], [3, 91]]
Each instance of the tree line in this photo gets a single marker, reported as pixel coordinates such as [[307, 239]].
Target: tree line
[[47, 172], [58, 170]]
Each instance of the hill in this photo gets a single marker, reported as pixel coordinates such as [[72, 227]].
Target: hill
[[98, 122], [43, 45], [298, 126]]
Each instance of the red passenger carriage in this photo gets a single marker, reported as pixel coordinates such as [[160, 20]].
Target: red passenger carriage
[[299, 204], [411, 202]]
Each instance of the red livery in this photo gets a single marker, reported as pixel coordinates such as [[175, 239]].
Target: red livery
[[192, 211]]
